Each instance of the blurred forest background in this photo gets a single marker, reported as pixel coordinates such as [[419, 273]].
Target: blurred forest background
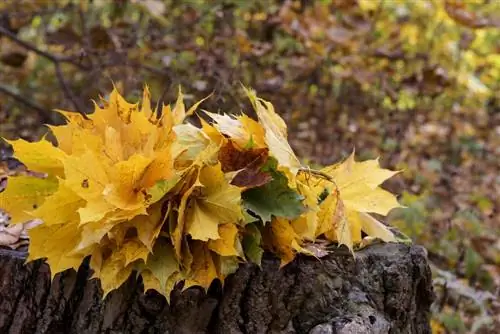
[[416, 82]]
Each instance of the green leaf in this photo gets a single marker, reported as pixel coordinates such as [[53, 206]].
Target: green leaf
[[251, 244], [228, 265], [160, 188], [162, 263], [275, 198]]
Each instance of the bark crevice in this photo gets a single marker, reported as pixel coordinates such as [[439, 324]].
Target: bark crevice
[[386, 288]]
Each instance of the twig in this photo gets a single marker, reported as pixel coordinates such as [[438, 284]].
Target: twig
[[43, 113], [57, 64], [51, 57], [67, 91]]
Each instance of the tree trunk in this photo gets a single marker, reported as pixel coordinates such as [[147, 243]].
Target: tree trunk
[[385, 289]]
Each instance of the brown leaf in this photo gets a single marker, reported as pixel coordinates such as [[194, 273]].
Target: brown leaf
[[251, 176], [247, 162], [233, 159]]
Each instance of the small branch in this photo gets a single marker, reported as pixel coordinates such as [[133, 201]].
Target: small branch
[[43, 113], [57, 64], [26, 45], [67, 91]]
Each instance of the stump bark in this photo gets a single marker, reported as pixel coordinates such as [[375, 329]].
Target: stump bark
[[385, 289]]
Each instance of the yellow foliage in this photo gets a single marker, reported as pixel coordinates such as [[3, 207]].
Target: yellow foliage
[[156, 194]]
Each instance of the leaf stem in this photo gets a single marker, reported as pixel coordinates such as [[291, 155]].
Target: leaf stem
[[318, 173]]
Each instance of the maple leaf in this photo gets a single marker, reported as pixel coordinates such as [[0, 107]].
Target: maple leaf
[[242, 130], [219, 202], [306, 225], [138, 189], [23, 194], [275, 135], [252, 241], [162, 263], [275, 198], [203, 267], [358, 188], [39, 156], [114, 271], [59, 208], [55, 242], [282, 239], [228, 244], [246, 163], [123, 189]]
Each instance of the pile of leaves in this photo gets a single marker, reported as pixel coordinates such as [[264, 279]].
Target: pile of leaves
[[145, 190]]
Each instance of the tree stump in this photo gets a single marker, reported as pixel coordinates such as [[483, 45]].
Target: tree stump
[[385, 289]]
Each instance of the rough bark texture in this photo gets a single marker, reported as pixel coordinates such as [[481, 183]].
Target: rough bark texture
[[386, 289]]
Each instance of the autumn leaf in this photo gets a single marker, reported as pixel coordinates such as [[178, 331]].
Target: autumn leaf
[[275, 198], [23, 194], [86, 175], [139, 189], [179, 230], [162, 263], [246, 163], [114, 272], [219, 202], [358, 188], [203, 267], [275, 134], [227, 244], [306, 225], [39, 156], [282, 239], [252, 241], [55, 243], [242, 130], [59, 208], [124, 189], [225, 265]]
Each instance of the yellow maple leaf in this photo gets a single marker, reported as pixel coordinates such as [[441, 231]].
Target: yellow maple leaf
[[212, 132], [275, 135], [330, 212], [59, 208], [65, 133], [227, 244], [358, 188], [306, 225], [160, 168], [219, 202], [191, 141], [162, 264], [280, 236], [39, 156], [123, 190], [55, 242], [178, 231], [203, 267], [23, 194], [86, 175], [114, 272]]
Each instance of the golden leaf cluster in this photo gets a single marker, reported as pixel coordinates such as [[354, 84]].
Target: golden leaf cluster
[[143, 190]]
